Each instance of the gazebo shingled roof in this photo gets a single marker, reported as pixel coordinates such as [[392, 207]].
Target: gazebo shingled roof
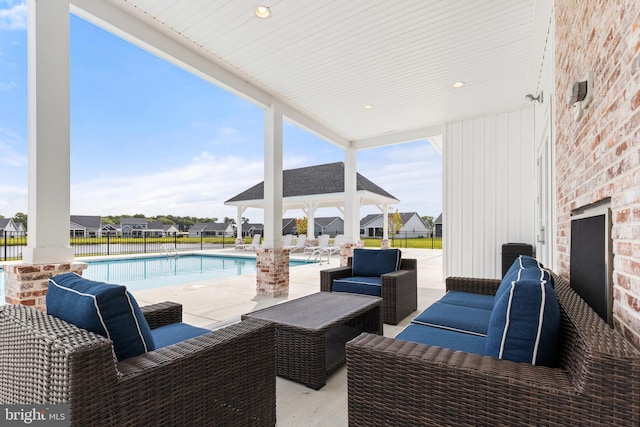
[[306, 182]]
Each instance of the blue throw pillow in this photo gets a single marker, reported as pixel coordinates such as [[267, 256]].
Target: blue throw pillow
[[375, 262], [523, 268], [108, 310], [524, 324]]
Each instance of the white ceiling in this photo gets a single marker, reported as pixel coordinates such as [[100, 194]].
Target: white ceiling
[[325, 60]]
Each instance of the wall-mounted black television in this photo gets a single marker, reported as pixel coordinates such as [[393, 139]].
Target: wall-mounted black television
[[591, 266]]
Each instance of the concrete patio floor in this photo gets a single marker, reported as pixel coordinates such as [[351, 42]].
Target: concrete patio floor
[[218, 302]]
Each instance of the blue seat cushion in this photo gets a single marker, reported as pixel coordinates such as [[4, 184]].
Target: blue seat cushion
[[375, 262], [108, 310], [525, 324], [468, 299], [443, 338], [469, 320], [175, 332], [359, 285]]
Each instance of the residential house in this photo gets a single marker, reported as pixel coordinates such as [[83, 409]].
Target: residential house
[[133, 227], [289, 226], [110, 230], [170, 229], [21, 230], [412, 226], [438, 226], [85, 226], [203, 229], [249, 229], [331, 225], [154, 229], [9, 228]]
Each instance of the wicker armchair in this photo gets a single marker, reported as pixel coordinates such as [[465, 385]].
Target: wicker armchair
[[225, 377], [399, 383], [399, 290]]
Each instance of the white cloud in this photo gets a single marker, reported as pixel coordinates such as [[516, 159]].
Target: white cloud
[[410, 172], [13, 15], [13, 200], [8, 86], [195, 189]]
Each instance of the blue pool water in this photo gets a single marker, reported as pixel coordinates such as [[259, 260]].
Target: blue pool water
[[155, 272]]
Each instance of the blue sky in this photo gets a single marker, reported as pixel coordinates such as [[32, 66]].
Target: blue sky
[[150, 138]]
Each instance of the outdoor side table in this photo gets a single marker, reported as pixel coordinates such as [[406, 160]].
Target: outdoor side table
[[311, 332]]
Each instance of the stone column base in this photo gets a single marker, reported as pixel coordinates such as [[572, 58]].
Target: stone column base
[[27, 283], [272, 272], [346, 250], [385, 244]]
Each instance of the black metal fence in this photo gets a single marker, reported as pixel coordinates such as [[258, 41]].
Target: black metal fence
[[12, 244], [408, 240]]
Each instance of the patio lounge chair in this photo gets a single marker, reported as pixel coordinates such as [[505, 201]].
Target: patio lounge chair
[[328, 250], [335, 247], [301, 241], [287, 240], [226, 377], [323, 242], [255, 243]]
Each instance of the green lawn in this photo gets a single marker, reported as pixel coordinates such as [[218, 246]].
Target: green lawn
[[421, 243]]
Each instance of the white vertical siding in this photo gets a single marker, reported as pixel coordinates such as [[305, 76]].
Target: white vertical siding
[[489, 191]]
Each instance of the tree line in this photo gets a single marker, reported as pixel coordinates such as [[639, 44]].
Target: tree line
[[183, 223]]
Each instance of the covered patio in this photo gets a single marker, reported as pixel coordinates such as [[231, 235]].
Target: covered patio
[[362, 75], [365, 80]]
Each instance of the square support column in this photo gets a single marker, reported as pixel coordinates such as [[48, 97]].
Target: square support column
[[272, 267], [49, 168], [272, 259], [27, 284]]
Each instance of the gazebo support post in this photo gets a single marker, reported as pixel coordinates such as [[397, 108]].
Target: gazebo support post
[[239, 237], [385, 243]]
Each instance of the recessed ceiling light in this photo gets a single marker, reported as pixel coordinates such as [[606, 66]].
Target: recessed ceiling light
[[262, 12], [368, 107], [458, 84]]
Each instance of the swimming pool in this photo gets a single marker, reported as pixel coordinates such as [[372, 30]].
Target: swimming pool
[[160, 271]]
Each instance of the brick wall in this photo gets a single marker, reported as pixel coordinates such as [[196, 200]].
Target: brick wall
[[599, 156]]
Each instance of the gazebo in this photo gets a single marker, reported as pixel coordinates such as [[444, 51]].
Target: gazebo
[[314, 187]]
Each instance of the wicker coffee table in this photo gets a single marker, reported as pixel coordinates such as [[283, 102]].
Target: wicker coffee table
[[311, 332]]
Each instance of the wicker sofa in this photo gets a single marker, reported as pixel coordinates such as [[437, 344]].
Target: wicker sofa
[[399, 383], [225, 377], [398, 289]]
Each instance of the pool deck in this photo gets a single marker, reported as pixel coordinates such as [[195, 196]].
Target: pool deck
[[214, 302], [217, 302]]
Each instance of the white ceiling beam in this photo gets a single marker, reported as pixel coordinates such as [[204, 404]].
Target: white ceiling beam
[[305, 122], [398, 138]]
